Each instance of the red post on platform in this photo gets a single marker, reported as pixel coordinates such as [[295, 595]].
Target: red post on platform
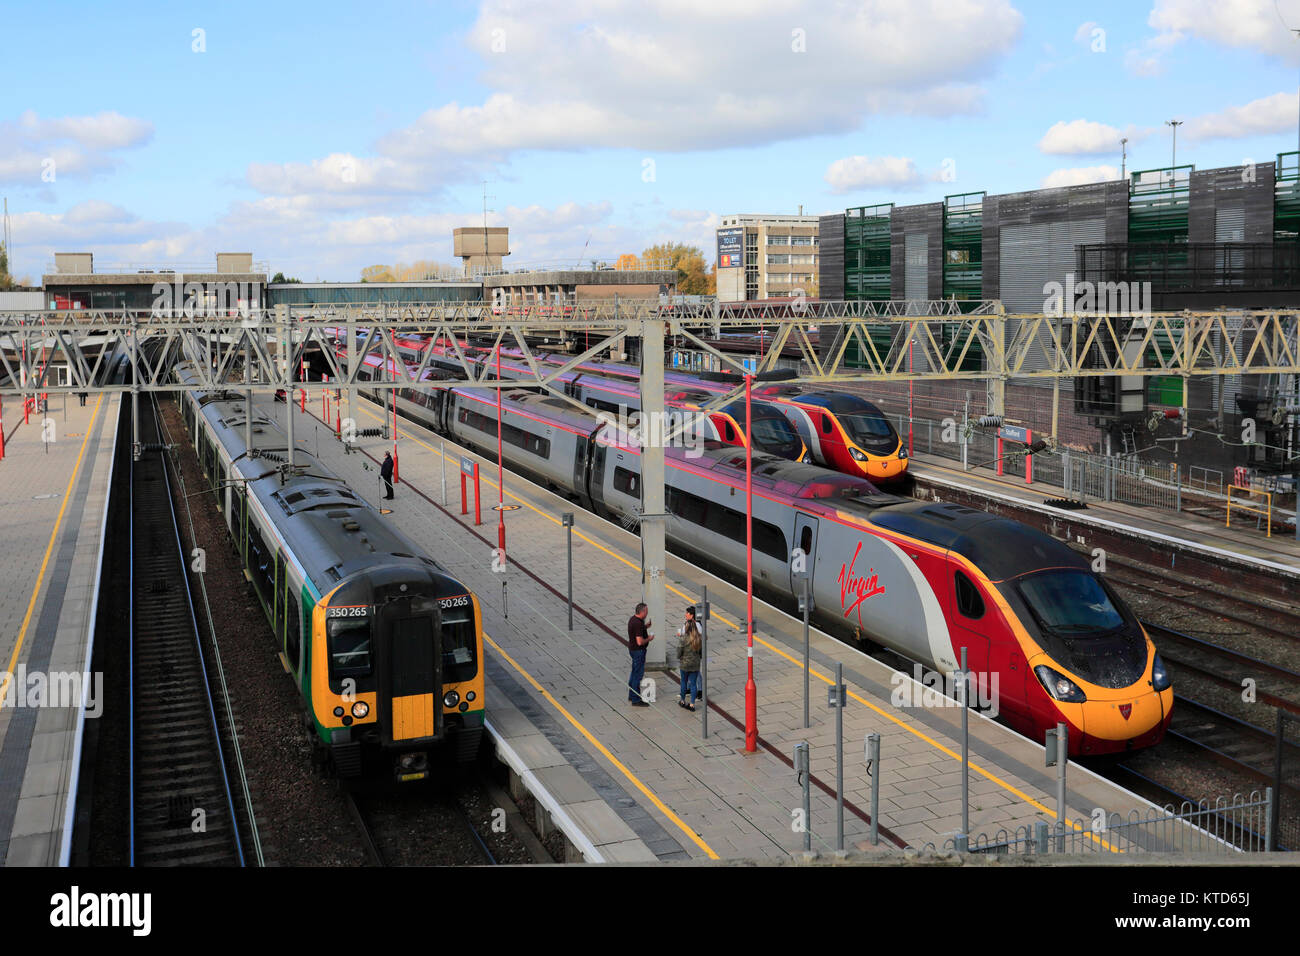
[[464, 500], [325, 401], [999, 451], [2, 429], [396, 480], [751, 689], [27, 411], [1029, 459], [304, 399], [478, 513]]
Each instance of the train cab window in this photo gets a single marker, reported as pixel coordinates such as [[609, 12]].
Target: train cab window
[[730, 432], [826, 424], [627, 482], [969, 602], [459, 660], [349, 646]]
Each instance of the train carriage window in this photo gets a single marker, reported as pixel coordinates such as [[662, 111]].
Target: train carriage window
[[627, 482], [805, 539], [686, 506], [969, 602], [293, 632], [260, 567]]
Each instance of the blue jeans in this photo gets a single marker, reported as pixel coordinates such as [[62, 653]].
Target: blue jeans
[[691, 685], [638, 672]]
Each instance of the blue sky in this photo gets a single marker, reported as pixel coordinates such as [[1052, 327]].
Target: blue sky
[[326, 137]]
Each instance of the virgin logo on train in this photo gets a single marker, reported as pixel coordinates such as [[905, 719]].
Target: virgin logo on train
[[861, 587]]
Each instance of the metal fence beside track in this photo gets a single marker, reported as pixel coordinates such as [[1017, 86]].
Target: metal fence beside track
[[1126, 479], [1227, 826]]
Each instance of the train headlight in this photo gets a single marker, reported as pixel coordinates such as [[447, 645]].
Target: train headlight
[[360, 709], [857, 455], [1159, 676], [1061, 688], [902, 454], [450, 699], [807, 458]]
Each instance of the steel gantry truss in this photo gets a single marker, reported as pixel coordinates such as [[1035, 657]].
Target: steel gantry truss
[[834, 342]]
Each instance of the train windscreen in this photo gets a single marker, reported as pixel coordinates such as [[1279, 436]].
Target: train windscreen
[[869, 430], [1073, 604]]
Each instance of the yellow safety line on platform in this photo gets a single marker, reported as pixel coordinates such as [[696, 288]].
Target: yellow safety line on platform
[[977, 768], [663, 807], [49, 549]]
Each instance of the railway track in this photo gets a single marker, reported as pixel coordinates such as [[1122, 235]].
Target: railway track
[[410, 813], [181, 808], [1190, 596], [1235, 744], [1208, 661]]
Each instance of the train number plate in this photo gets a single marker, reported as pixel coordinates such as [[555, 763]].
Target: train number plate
[[359, 610], [461, 601]]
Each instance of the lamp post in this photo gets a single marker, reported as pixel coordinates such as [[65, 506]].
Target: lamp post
[[1173, 154], [751, 688]]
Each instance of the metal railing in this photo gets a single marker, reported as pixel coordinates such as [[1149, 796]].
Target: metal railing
[[1223, 827]]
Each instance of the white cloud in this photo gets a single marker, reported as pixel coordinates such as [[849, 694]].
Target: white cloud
[[1083, 35], [655, 77], [1269, 114], [1260, 25], [859, 172], [68, 146], [1079, 176], [1083, 137]]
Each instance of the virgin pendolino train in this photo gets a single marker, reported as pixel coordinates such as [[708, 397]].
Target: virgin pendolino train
[[384, 647], [923, 579]]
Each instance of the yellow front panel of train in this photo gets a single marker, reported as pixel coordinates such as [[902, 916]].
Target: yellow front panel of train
[[413, 717]]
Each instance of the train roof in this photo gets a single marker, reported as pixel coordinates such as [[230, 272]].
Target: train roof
[[332, 531], [1000, 547]]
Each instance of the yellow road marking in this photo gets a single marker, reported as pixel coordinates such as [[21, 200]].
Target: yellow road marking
[[824, 678], [663, 807], [49, 549]]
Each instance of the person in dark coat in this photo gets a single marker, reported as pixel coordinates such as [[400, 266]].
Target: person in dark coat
[[386, 473], [638, 641]]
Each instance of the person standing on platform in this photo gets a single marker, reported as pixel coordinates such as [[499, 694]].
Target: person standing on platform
[[638, 640], [688, 659], [386, 473], [81, 397]]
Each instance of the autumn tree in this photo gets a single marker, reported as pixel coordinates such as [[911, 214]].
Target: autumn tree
[[6, 280], [693, 276], [421, 270]]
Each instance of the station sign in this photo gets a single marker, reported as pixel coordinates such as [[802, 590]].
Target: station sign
[[1014, 433], [467, 466]]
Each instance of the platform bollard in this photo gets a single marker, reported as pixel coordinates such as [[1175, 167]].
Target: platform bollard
[[963, 693], [873, 771], [803, 774]]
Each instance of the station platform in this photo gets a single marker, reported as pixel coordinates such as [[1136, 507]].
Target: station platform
[[1178, 531], [662, 790], [53, 499]]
